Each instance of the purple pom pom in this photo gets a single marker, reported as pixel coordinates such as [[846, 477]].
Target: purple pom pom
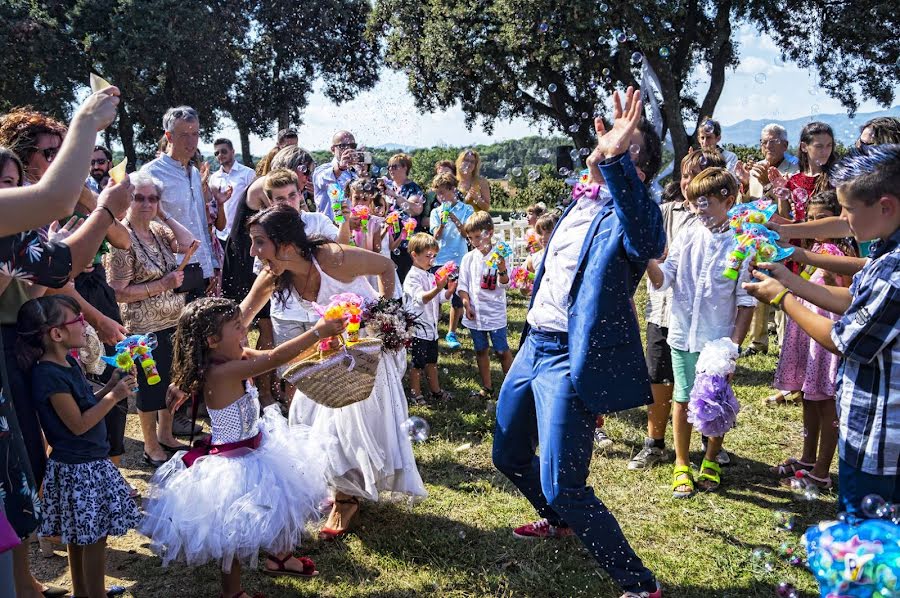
[[713, 408]]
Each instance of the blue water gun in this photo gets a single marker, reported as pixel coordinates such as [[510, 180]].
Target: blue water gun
[[136, 349]]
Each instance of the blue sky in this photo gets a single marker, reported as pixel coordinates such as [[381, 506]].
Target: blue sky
[[762, 86]]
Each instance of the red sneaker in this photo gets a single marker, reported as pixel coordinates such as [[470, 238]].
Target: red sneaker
[[541, 529], [656, 594]]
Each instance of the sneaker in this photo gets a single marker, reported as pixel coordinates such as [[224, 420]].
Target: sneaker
[[647, 457], [181, 425], [722, 458], [601, 439], [751, 351], [452, 341], [656, 594], [541, 529]]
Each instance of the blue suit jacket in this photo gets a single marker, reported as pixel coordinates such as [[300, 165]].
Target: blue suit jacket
[[605, 354]]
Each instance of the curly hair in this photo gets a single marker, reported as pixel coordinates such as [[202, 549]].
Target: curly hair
[[829, 200], [200, 320], [21, 127], [284, 226]]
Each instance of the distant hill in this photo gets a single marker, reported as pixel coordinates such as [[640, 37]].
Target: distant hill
[[846, 130], [395, 147]]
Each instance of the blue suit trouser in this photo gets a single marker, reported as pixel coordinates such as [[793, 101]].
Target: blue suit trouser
[[539, 407]]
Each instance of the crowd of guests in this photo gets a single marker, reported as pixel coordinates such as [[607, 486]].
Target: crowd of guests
[[199, 257]]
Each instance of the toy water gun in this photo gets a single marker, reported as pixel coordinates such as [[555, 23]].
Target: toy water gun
[[409, 227], [393, 220], [362, 212], [336, 195], [756, 212], [823, 248], [345, 305], [445, 271], [756, 239], [445, 213], [533, 241], [500, 250], [137, 348], [521, 278]]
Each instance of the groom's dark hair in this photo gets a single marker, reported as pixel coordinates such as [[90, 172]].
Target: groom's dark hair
[[650, 157]]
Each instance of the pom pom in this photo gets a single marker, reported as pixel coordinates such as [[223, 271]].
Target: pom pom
[[713, 408]]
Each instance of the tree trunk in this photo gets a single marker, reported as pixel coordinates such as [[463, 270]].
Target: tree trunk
[[246, 156], [284, 118], [126, 136]]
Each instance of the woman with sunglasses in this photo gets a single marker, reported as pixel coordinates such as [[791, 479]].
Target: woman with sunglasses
[[144, 278]]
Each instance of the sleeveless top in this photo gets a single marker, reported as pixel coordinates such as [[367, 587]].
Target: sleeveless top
[[238, 421], [474, 188], [330, 286]]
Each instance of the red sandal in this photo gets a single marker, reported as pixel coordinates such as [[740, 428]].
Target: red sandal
[[309, 567], [804, 479], [790, 467]]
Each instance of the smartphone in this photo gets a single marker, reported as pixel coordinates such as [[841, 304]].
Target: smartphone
[[362, 157]]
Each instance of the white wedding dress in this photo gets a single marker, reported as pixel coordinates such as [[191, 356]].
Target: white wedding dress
[[371, 455]]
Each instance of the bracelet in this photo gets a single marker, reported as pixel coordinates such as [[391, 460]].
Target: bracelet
[[147, 289], [504, 273], [108, 211], [779, 298]]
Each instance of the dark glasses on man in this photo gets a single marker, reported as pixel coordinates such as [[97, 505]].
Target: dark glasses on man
[[99, 162]]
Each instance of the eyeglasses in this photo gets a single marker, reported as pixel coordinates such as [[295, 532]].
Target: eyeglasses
[[765, 142], [99, 161], [343, 146], [138, 198], [49, 153], [79, 318], [220, 151]]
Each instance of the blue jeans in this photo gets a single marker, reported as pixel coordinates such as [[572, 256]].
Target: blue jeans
[[854, 485], [538, 407]]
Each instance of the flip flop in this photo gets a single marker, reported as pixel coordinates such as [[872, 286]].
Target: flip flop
[[309, 567]]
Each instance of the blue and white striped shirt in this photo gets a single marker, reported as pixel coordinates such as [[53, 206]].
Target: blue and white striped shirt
[[868, 394]]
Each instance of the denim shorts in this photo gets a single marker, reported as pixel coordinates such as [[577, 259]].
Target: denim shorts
[[498, 339]]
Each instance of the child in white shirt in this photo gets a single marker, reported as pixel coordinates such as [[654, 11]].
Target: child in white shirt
[[422, 292], [483, 293], [705, 306]]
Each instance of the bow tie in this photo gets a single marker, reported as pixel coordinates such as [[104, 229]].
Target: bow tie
[[591, 191]]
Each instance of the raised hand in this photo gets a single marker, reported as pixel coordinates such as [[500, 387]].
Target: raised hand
[[100, 108], [626, 117], [57, 233], [776, 178], [766, 289]]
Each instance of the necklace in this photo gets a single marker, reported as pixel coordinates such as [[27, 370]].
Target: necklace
[[162, 268]]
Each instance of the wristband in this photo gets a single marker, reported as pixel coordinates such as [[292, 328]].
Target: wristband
[[504, 273], [779, 298], [108, 211]]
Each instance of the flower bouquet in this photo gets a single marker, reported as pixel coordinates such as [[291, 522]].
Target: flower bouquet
[[390, 322], [713, 408]]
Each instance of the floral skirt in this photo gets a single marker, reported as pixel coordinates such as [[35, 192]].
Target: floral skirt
[[85, 502]]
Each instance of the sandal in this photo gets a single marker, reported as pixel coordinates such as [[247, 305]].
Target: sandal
[[710, 481], [804, 479], [442, 396], [416, 399], [309, 567], [682, 476], [327, 533], [484, 393], [790, 467]]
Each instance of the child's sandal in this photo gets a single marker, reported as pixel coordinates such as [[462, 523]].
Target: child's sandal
[[790, 467], [710, 481], [779, 398], [682, 477], [804, 479]]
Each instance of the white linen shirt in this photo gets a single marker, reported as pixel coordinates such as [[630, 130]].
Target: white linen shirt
[[550, 308], [182, 199], [704, 302], [322, 178], [292, 308], [239, 177], [489, 305], [417, 283]]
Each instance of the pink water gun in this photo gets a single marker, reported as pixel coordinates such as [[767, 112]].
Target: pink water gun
[[521, 278], [409, 227], [823, 248], [533, 241], [393, 220], [362, 212], [445, 271]]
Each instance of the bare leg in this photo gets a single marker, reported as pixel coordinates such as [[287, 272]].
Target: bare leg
[[117, 460], [265, 341], [811, 429], [164, 428], [94, 569], [484, 367], [342, 512], [26, 585], [506, 360], [76, 569], [148, 431], [415, 381], [455, 317], [231, 582], [828, 436], [682, 431], [432, 374], [658, 413]]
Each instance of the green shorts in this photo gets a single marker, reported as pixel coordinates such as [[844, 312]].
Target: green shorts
[[684, 368]]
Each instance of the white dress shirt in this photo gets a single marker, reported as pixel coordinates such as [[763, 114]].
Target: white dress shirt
[[323, 177], [239, 178], [417, 283], [489, 304], [550, 308], [704, 302], [182, 199]]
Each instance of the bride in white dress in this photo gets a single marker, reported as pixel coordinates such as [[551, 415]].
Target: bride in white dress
[[372, 455]]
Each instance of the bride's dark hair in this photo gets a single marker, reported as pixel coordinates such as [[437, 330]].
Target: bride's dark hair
[[283, 225]]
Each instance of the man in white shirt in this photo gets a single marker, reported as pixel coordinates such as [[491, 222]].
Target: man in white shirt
[[101, 161], [182, 196], [581, 353], [709, 136], [773, 142], [231, 175], [339, 171]]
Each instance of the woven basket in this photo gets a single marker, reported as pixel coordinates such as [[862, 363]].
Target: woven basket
[[339, 377]]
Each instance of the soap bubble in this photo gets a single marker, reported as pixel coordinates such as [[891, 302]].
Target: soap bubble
[[573, 154], [603, 7], [544, 153], [874, 507], [708, 127], [573, 128], [664, 52], [516, 171], [779, 60], [533, 175], [528, 110], [416, 428], [637, 58], [621, 37], [501, 164], [634, 149], [552, 88], [784, 520], [585, 115], [760, 78], [702, 202], [397, 251], [563, 171], [848, 518], [605, 72], [565, 44], [543, 27], [647, 19], [584, 151], [519, 93], [667, 25], [814, 109], [787, 590], [375, 170], [800, 195]]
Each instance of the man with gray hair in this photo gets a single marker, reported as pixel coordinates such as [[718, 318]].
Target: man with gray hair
[[182, 196], [773, 142]]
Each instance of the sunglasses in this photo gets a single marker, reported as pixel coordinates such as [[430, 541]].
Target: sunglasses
[[344, 146], [79, 318], [138, 198], [99, 161], [220, 151]]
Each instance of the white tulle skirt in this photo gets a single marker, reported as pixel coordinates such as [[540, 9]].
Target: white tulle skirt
[[232, 507], [369, 454]]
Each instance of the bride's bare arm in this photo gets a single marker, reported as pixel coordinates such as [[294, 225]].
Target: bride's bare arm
[[260, 292]]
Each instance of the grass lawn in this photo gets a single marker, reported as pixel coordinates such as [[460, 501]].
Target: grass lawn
[[458, 541]]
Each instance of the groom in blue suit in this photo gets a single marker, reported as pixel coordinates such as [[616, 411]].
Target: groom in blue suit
[[581, 352]]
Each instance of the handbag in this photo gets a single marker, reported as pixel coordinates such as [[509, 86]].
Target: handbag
[[8, 537], [337, 377], [193, 279]]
